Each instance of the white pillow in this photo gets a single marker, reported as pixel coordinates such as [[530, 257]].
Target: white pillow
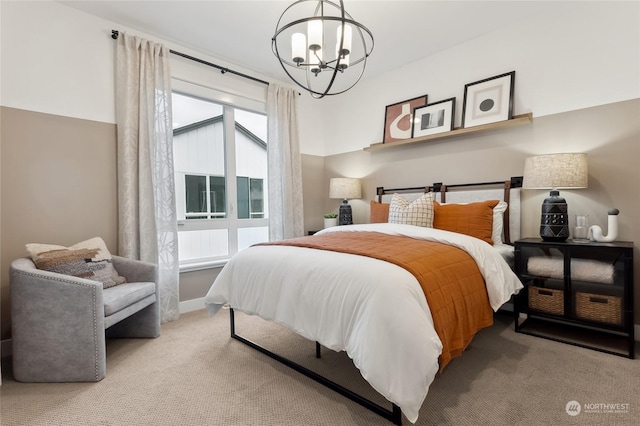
[[419, 212], [498, 222]]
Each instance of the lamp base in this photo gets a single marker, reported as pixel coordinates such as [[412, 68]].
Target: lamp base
[[554, 222], [344, 214]]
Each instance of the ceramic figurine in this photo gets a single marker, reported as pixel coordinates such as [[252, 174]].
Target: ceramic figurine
[[595, 232]]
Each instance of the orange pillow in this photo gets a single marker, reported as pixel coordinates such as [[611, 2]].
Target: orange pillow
[[474, 219], [379, 212]]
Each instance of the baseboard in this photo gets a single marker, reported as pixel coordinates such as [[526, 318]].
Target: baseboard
[[191, 305]]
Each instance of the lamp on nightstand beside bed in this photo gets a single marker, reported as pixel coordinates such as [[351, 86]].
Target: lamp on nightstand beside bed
[[345, 188], [555, 171]]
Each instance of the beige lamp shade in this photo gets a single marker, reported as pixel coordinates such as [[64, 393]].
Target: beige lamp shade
[[345, 188], [556, 171]]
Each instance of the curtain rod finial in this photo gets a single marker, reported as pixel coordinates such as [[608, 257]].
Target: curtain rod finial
[[114, 34]]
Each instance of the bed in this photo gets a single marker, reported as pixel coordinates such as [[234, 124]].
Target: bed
[[428, 291]]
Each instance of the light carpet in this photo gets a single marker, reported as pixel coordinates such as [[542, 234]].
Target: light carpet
[[195, 374]]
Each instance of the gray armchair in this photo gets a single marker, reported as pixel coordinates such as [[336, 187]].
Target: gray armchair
[[59, 322]]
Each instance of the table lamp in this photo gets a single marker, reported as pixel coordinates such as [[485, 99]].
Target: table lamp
[[345, 188], [555, 171]]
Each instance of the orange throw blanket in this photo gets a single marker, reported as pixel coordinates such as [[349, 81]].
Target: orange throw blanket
[[450, 279]]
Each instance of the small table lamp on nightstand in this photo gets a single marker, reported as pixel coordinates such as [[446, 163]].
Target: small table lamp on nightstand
[[345, 188], [555, 171]]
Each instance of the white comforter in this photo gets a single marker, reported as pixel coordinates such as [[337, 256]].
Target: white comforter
[[374, 310]]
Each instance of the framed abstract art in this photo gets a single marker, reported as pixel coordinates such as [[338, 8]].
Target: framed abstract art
[[489, 100], [398, 119]]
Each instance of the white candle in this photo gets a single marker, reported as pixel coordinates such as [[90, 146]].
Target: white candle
[[298, 48], [346, 46], [314, 34]]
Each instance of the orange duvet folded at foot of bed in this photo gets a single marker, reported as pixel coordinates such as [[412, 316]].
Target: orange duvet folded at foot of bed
[[450, 278]]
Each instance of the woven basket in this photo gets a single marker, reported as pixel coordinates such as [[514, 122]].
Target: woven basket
[[599, 307], [546, 300]]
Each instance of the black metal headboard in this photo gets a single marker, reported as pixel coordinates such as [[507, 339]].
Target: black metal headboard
[[513, 182]]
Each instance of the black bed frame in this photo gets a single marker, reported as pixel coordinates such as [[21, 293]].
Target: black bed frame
[[394, 414]]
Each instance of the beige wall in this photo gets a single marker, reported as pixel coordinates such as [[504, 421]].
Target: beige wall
[[58, 177], [195, 284], [314, 187], [609, 134], [58, 185]]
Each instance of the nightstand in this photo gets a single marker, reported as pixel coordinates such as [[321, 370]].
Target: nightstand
[[577, 293]]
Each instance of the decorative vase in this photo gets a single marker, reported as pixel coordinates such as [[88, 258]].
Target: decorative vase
[[329, 222], [581, 230], [554, 224], [596, 234]]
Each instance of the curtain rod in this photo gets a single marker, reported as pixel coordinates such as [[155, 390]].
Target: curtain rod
[[223, 70]]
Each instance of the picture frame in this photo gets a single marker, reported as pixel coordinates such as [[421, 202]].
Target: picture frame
[[398, 119], [488, 100], [433, 118]]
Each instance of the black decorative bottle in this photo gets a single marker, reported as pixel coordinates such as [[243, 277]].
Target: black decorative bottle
[[554, 224]]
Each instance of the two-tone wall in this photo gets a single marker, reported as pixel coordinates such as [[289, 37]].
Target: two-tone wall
[[577, 72], [58, 132]]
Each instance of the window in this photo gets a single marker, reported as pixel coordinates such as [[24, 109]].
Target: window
[[204, 194], [250, 198], [220, 161]]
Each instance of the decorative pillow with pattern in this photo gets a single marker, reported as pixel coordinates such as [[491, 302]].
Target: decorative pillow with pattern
[[89, 259], [418, 212]]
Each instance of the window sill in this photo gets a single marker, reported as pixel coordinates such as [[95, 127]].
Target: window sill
[[199, 266]]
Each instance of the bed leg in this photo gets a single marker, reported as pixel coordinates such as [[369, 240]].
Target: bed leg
[[232, 323], [318, 350], [396, 416]]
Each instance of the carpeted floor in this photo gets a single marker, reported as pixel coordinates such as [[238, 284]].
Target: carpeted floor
[[194, 374]]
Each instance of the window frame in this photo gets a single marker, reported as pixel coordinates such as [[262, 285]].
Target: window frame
[[231, 222]]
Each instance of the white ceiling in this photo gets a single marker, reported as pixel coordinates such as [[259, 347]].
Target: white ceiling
[[240, 31]]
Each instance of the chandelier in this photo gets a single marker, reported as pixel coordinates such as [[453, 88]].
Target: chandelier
[[321, 48]]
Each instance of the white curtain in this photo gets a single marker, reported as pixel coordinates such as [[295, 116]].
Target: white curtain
[[285, 176], [146, 192]]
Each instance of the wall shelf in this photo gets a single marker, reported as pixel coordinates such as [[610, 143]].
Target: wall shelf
[[517, 120]]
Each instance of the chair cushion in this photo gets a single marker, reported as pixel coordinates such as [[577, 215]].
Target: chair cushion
[[119, 297]]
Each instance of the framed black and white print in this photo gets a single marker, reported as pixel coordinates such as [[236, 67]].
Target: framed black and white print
[[489, 100], [434, 118]]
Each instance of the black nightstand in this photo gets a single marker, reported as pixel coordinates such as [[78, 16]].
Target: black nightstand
[[577, 293], [312, 232]]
